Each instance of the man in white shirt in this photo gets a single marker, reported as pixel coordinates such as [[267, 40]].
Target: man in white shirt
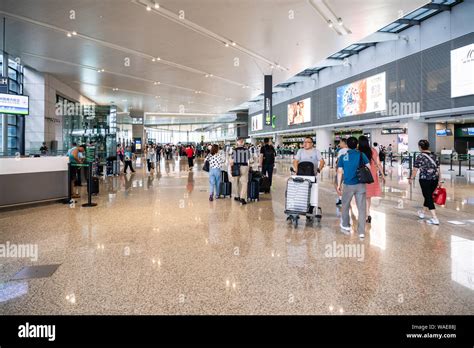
[[309, 154]]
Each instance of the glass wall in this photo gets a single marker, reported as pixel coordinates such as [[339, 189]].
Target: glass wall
[[11, 126]]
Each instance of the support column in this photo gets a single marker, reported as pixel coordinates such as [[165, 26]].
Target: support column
[[278, 140], [323, 139], [417, 130]]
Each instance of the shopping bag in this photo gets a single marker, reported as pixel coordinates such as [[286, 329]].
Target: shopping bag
[[439, 196]]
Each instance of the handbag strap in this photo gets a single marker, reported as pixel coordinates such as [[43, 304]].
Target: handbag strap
[[431, 159]]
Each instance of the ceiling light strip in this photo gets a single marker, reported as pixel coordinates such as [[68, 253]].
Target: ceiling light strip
[[207, 33], [136, 92], [117, 47], [119, 74]]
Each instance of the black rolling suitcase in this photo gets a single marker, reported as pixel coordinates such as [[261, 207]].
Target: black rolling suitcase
[[95, 186], [225, 187], [253, 191], [264, 184], [110, 167]]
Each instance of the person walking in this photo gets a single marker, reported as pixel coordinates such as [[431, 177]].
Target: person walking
[[267, 159], [341, 152], [216, 160], [373, 189], [190, 155], [348, 166], [427, 164], [150, 158], [128, 160], [240, 158]]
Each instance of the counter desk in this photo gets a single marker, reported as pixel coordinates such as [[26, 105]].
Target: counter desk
[[32, 180]]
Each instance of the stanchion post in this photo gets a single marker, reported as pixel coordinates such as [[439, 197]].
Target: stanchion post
[[459, 161], [89, 189], [69, 188], [451, 164], [469, 170], [410, 165]]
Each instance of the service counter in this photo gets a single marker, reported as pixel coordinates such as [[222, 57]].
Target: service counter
[[32, 180]]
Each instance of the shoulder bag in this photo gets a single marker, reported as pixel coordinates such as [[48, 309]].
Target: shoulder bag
[[363, 173]]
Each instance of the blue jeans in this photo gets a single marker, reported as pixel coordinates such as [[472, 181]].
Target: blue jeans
[[214, 179]]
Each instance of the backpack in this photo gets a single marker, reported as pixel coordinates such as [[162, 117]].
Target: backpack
[[382, 155], [268, 154]]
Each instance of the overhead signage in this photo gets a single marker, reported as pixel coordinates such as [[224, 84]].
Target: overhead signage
[[462, 71], [4, 85], [361, 97], [444, 132], [14, 104], [267, 99], [299, 112], [394, 131]]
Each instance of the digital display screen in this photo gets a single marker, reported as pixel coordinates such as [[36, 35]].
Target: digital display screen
[[444, 132], [299, 112], [14, 104], [363, 96]]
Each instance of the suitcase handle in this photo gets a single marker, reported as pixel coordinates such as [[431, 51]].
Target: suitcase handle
[[298, 179]]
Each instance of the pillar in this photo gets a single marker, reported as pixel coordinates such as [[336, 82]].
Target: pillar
[[417, 130], [278, 140], [324, 137]]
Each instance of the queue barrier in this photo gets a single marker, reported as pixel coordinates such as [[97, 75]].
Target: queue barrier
[[89, 183]]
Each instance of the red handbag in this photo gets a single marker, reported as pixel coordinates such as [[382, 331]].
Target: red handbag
[[439, 196]]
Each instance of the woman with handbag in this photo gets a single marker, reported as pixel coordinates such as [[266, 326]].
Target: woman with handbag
[[428, 165], [373, 189], [214, 160]]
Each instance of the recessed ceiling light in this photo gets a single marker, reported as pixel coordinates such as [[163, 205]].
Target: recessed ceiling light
[[153, 60], [339, 21], [69, 35], [226, 44], [148, 8], [330, 24], [74, 33], [211, 75], [233, 43], [207, 75], [158, 58], [157, 5]]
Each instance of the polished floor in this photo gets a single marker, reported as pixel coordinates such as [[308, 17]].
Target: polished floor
[[156, 245]]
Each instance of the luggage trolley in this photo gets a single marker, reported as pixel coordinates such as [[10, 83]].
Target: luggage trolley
[[301, 196]]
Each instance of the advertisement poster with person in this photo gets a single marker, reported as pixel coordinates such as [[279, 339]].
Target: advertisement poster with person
[[257, 122], [299, 112], [402, 143], [363, 96]]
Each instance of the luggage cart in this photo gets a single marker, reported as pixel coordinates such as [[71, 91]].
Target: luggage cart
[[301, 198]]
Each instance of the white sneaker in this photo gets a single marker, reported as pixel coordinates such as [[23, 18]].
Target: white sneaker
[[421, 214], [344, 227], [433, 221]]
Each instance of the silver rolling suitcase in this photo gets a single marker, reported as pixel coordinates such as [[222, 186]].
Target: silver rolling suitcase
[[297, 198]]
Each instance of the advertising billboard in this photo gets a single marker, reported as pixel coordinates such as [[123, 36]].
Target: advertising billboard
[[14, 104], [299, 112], [361, 97], [462, 71], [257, 122]]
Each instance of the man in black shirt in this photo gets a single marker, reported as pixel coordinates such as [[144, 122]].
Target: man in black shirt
[[267, 159]]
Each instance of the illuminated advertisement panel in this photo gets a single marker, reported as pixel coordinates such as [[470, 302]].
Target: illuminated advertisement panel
[[361, 97]]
